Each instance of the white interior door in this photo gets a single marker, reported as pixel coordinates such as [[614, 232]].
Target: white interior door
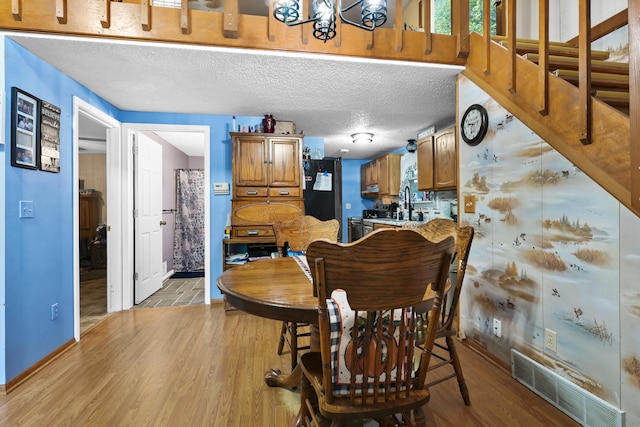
[[147, 216]]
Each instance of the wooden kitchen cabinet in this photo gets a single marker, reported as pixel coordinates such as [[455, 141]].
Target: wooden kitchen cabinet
[[389, 175], [438, 162], [267, 182], [265, 165], [381, 176]]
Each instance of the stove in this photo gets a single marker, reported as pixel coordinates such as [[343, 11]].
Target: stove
[[380, 210]]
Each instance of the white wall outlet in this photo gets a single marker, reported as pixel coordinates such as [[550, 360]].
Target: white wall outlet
[[497, 328], [551, 340], [347, 205]]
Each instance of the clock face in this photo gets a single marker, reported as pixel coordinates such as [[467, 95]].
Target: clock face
[[474, 124]]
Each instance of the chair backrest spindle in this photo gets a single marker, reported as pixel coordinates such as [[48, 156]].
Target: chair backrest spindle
[[366, 291]]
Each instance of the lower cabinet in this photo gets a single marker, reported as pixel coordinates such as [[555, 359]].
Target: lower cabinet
[[239, 251]]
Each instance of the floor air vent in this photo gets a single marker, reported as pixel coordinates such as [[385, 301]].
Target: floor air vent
[[582, 406]]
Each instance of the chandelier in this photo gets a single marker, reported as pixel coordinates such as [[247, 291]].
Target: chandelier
[[373, 15]]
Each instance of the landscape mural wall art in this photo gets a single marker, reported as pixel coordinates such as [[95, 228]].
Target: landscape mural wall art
[[552, 250]]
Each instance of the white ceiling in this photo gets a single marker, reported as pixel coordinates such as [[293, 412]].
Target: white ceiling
[[325, 96]]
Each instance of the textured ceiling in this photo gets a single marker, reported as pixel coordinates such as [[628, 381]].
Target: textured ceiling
[[325, 96]]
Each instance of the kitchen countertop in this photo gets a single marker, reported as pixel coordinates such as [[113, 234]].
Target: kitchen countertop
[[390, 221]]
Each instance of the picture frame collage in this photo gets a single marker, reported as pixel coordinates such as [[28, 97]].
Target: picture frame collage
[[35, 132]]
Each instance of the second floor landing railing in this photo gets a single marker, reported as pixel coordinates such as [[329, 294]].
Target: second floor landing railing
[[139, 20]]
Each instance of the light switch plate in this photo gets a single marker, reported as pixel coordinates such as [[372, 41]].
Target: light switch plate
[[469, 204], [26, 209]]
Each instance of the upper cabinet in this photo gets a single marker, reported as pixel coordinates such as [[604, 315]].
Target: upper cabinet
[[389, 174], [381, 177], [267, 165], [437, 161]]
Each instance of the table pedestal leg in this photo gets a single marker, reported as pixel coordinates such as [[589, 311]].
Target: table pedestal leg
[[275, 378]]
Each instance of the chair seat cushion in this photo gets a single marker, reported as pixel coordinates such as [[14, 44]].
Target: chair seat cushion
[[342, 320]]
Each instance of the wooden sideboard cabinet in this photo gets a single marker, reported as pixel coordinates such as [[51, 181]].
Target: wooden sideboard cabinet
[[438, 162], [89, 214], [267, 182]]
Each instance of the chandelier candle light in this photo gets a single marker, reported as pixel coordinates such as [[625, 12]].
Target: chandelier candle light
[[373, 15]]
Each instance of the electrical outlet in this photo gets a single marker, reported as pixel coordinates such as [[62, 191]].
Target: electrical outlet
[[54, 311], [551, 340], [497, 328]]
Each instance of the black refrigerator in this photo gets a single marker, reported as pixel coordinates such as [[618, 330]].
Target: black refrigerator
[[323, 189]]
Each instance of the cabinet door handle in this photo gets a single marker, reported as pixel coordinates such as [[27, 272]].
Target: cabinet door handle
[[284, 193], [163, 222], [252, 192], [253, 233]]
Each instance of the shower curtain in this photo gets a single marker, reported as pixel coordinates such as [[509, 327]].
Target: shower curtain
[[188, 241]]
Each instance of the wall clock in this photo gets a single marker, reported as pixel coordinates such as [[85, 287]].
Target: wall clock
[[474, 124]]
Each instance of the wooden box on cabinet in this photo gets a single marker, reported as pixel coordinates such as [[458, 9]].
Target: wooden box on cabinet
[[437, 161]]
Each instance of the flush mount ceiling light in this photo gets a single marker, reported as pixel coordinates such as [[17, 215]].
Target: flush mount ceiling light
[[362, 137], [373, 14]]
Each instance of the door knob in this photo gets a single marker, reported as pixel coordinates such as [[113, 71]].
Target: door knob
[[163, 222]]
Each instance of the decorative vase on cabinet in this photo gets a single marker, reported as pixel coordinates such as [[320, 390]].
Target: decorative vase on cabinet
[[268, 123]]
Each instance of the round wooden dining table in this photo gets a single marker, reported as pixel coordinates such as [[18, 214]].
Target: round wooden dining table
[[276, 289]]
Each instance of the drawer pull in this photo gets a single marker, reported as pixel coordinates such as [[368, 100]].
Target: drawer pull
[[252, 233], [252, 193], [284, 193]]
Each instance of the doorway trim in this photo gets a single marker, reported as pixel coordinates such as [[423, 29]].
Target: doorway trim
[[128, 268], [114, 260]]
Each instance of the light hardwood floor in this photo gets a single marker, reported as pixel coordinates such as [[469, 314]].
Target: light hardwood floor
[[194, 366], [174, 292]]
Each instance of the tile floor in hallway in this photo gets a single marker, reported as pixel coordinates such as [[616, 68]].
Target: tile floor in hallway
[[174, 292]]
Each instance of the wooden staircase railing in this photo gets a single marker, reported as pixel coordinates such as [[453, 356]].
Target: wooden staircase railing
[[586, 117]]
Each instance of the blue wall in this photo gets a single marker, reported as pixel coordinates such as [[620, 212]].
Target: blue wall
[[39, 251], [351, 194]]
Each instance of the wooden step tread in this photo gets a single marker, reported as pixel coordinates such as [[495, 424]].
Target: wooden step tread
[[617, 99], [569, 63], [525, 47], [608, 80], [530, 41]]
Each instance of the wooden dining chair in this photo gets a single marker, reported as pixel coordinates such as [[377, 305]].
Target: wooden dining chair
[[296, 234], [367, 367], [445, 349]]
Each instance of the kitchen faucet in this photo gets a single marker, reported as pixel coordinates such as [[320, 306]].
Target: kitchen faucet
[[407, 200]]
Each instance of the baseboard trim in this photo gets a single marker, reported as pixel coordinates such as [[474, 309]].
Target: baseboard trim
[[15, 382], [168, 274], [481, 351]]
